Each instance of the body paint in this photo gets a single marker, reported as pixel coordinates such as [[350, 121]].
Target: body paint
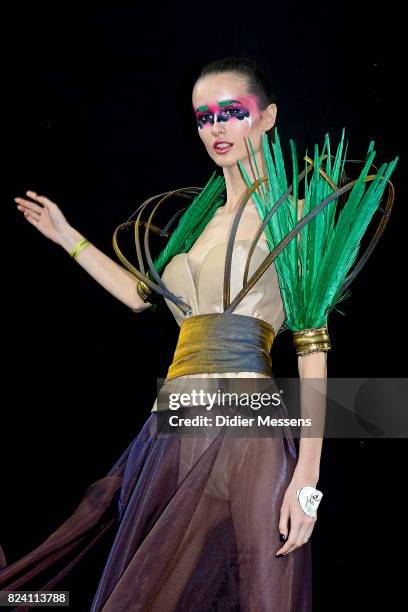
[[241, 108]]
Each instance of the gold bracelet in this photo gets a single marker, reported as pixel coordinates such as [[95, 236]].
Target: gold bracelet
[[143, 290], [78, 247], [311, 340]]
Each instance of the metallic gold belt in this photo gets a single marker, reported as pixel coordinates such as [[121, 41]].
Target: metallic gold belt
[[222, 342]]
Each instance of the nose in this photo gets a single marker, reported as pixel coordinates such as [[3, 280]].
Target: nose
[[218, 127]]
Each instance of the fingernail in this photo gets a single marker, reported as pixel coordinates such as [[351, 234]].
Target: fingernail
[[281, 555], [282, 537]]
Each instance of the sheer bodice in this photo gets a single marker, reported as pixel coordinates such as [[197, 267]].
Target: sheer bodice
[[198, 276]]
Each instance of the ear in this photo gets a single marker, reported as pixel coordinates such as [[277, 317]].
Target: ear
[[270, 113]]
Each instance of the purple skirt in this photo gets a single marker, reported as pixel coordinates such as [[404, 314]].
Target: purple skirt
[[194, 525]]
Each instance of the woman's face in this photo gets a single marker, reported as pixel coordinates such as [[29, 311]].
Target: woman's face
[[227, 113]]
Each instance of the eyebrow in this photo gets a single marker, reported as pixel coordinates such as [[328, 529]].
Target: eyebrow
[[220, 103]]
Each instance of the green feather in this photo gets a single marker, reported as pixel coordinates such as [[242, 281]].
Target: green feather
[[313, 266], [193, 220]]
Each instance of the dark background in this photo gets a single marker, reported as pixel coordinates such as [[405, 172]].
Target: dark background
[[98, 117]]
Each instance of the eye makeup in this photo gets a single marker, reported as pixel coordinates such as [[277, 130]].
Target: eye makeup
[[242, 108]]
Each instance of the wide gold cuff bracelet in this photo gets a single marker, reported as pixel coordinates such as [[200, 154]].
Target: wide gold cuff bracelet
[[143, 290], [311, 340]]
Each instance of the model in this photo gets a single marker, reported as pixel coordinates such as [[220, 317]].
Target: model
[[220, 522]]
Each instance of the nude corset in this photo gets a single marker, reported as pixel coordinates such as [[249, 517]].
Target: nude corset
[[201, 284]]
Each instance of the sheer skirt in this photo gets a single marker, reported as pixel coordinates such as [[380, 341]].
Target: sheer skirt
[[194, 527]]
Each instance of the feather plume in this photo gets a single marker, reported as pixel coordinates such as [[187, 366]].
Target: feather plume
[[193, 221], [313, 266]]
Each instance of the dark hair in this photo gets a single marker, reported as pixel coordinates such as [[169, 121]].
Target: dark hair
[[258, 83]]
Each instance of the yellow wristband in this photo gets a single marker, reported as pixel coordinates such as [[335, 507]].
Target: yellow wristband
[[78, 247]]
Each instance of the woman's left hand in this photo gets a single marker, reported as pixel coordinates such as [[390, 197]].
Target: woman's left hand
[[301, 524]]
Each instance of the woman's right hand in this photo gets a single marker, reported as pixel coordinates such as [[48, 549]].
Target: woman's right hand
[[45, 215]]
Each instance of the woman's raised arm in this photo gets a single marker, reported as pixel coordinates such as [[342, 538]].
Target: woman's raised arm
[[47, 217]]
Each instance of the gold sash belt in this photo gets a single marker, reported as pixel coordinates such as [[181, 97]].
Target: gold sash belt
[[222, 342]]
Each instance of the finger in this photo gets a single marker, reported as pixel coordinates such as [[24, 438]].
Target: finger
[[291, 542], [303, 536], [300, 526], [39, 198], [31, 219], [292, 537], [284, 521], [304, 527], [29, 205], [30, 212]]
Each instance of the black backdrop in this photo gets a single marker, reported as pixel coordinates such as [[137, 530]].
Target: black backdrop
[[98, 118]]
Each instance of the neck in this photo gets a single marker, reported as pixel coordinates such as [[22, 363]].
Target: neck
[[235, 184]]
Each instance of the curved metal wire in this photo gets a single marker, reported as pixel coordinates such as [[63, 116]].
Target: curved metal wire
[[159, 286]]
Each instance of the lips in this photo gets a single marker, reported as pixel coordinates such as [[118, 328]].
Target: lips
[[222, 146]]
